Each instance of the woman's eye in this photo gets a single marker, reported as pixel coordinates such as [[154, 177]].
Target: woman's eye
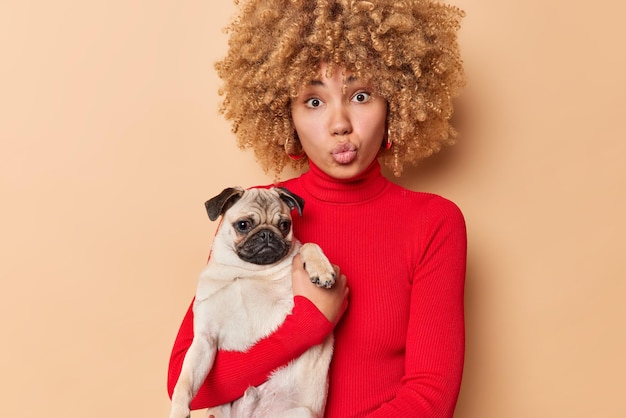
[[313, 102], [362, 97]]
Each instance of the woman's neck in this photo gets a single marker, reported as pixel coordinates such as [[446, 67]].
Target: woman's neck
[[360, 188]]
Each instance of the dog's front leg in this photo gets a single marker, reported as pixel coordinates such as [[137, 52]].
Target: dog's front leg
[[317, 265], [198, 361]]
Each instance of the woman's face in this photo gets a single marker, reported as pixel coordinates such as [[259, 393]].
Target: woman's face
[[340, 131]]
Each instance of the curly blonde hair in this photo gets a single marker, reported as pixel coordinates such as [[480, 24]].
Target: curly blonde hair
[[407, 49]]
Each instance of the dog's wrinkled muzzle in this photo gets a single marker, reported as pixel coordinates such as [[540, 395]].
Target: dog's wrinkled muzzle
[[263, 247]]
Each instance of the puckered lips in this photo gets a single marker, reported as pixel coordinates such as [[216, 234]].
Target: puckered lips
[[344, 153]]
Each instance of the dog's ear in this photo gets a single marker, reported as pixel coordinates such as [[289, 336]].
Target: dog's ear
[[219, 204], [291, 199]]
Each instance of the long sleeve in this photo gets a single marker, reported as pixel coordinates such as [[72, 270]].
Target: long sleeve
[[233, 372], [435, 337]]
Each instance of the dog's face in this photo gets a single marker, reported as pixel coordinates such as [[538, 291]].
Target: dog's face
[[257, 221]]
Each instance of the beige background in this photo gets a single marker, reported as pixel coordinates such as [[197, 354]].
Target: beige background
[[111, 142]]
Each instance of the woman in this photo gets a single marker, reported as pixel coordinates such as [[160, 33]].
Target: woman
[[341, 87]]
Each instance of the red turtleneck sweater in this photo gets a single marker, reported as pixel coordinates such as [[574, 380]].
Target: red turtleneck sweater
[[399, 347]]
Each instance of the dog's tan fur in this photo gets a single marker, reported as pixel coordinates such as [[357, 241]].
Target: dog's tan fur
[[238, 303]]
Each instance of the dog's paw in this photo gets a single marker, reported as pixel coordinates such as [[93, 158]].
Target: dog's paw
[[320, 270], [180, 411], [247, 404]]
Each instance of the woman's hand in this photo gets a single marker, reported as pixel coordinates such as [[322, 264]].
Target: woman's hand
[[330, 302]]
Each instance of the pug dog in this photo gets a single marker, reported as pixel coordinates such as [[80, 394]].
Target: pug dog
[[244, 293]]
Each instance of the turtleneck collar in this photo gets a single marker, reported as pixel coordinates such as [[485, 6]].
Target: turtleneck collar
[[367, 185]]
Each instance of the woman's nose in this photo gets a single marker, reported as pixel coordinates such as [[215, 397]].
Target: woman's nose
[[340, 123]]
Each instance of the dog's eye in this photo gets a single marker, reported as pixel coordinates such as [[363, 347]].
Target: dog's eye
[[284, 226], [243, 225]]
